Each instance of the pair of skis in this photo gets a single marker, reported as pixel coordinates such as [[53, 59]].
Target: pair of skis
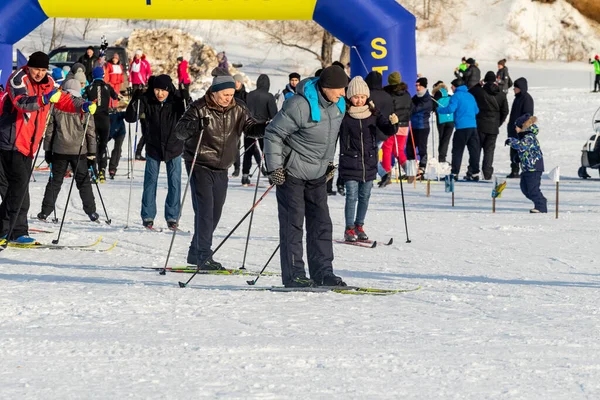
[[369, 244], [85, 247]]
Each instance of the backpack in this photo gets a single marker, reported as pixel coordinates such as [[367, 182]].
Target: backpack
[[510, 82], [279, 99]]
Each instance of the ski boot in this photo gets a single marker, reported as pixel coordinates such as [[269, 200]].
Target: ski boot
[[341, 190], [245, 180], [360, 232], [472, 177], [42, 217], [25, 239], [148, 224], [331, 280], [350, 234], [139, 157], [385, 180], [112, 174], [301, 282], [212, 265], [172, 225], [582, 173], [236, 172], [94, 216], [101, 177]]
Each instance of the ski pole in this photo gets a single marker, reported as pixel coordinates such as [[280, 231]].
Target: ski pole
[[187, 185], [54, 220], [253, 201], [4, 245], [249, 147], [93, 175], [402, 192], [87, 122], [253, 282], [435, 125], [132, 160], [181, 284]]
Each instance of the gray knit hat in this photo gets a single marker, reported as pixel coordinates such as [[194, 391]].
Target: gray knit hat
[[358, 86], [80, 76], [221, 81], [73, 87], [239, 78]]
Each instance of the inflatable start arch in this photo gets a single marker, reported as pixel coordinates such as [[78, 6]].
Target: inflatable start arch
[[380, 32]]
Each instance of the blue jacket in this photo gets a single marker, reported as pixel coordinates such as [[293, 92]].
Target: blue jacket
[[117, 124], [443, 102], [464, 107], [421, 111], [528, 148]]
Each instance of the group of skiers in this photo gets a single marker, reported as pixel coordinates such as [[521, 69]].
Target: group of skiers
[[300, 143]]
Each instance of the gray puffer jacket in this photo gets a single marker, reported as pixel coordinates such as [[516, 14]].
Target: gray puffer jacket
[[302, 137], [65, 132]]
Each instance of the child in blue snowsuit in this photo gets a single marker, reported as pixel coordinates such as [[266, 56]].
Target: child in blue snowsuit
[[532, 161]]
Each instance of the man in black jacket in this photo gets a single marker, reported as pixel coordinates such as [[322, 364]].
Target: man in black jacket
[[217, 120], [162, 107], [89, 62], [101, 92], [472, 75], [523, 104], [262, 106], [493, 110]]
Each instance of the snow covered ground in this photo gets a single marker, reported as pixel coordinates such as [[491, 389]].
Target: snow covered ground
[[508, 307]]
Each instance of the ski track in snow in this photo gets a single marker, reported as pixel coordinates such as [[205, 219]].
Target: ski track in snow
[[508, 307]]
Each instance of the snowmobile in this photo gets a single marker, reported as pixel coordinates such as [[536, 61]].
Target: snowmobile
[[590, 154]]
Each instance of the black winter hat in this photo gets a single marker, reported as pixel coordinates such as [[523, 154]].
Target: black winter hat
[[180, 58], [333, 77], [162, 82], [294, 75], [338, 64], [318, 72], [90, 48], [38, 60], [470, 61], [422, 81], [457, 82], [490, 77]]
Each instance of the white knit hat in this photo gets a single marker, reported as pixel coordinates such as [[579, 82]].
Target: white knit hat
[[358, 86]]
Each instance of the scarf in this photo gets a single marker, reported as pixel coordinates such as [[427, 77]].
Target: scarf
[[421, 93], [361, 112]]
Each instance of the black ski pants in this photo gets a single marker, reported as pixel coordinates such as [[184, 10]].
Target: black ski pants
[[209, 190], [530, 186], [17, 169], [445, 131], [466, 137], [3, 183], [487, 141], [298, 200], [82, 180], [115, 155], [515, 162], [597, 83], [420, 137], [251, 150], [102, 123]]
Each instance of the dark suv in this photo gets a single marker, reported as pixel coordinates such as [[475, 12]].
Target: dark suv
[[67, 56]]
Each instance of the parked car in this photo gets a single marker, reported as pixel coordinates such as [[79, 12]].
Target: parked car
[[67, 56]]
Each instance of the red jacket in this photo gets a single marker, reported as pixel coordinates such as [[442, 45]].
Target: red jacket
[[115, 74], [24, 115], [182, 73], [139, 71]]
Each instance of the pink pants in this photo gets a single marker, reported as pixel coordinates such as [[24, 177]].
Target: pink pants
[[394, 145]]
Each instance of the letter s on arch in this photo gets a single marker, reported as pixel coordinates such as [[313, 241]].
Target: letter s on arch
[[379, 45]]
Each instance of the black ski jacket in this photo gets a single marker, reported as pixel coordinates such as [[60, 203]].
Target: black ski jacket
[[523, 104], [493, 108]]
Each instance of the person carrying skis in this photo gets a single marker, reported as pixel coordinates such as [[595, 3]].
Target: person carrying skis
[[163, 106], [358, 154], [528, 148], [102, 93], [62, 146], [299, 150], [596, 63], [262, 106], [217, 120], [22, 127]]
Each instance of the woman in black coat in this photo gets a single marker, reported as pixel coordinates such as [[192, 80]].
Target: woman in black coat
[[359, 154]]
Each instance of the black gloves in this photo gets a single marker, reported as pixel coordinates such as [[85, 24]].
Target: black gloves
[[48, 157], [91, 160], [277, 177], [507, 142]]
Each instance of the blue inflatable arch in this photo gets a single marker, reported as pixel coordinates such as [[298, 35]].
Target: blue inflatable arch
[[381, 33]]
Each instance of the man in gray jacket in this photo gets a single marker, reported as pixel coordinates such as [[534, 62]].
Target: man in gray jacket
[[299, 150]]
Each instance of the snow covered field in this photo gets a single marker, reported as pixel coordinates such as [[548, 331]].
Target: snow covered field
[[508, 307]]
